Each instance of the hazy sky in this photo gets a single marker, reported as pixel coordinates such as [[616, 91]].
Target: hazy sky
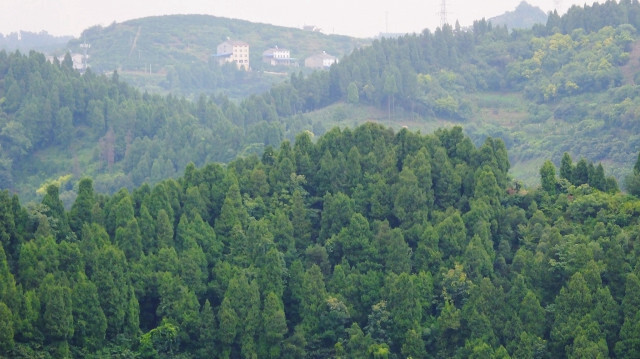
[[349, 17]]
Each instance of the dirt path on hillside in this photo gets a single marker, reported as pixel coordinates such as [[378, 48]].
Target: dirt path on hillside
[[135, 41], [633, 65]]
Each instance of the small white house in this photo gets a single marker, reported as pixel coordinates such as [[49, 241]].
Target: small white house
[[320, 61]]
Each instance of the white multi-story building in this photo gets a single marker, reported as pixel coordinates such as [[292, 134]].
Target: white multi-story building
[[277, 56], [234, 51]]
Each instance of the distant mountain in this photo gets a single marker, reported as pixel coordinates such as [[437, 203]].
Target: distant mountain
[[25, 41], [174, 52], [523, 17], [160, 41]]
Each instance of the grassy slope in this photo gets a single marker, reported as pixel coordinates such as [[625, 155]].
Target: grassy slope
[[502, 115]]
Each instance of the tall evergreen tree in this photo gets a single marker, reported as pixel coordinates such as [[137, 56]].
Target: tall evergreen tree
[[81, 210]]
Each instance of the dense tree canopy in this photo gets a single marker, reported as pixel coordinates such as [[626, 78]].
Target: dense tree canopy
[[360, 243], [441, 257]]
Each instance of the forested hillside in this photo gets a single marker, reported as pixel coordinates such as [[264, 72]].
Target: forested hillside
[[567, 87], [365, 244], [26, 41], [553, 89], [175, 53], [56, 124]]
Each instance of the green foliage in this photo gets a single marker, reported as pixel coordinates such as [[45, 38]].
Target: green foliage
[[563, 87], [548, 177], [6, 329], [483, 270]]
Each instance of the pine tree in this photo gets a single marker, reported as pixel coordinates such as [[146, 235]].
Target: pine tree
[[404, 305], [111, 280], [229, 326], [207, 331], [147, 227], [581, 172], [566, 168], [446, 182], [57, 315], [55, 210], [81, 210], [413, 346], [164, 230], [300, 221], [90, 323], [532, 315], [313, 296], [128, 238], [6, 329], [398, 253], [548, 177], [232, 213], [274, 326]]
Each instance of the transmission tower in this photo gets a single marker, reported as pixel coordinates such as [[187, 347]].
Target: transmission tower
[[85, 47], [443, 13], [557, 4]]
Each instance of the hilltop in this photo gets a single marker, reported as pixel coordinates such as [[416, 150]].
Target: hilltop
[[26, 41], [523, 17], [174, 52]]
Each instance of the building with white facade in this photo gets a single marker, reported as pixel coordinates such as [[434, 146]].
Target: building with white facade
[[277, 56], [320, 61], [234, 51]]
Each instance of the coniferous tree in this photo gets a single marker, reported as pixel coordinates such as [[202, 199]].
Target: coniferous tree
[[207, 331], [548, 177], [274, 326], [57, 311], [164, 230], [566, 167], [232, 213], [54, 209], [81, 210], [6, 329], [90, 323]]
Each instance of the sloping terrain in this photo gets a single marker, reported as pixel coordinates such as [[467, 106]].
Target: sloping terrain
[[523, 17], [632, 67], [168, 40], [174, 53]]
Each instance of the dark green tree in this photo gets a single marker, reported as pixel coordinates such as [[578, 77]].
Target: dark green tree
[[274, 326], [81, 210], [548, 177], [566, 167], [208, 332], [6, 329], [90, 323]]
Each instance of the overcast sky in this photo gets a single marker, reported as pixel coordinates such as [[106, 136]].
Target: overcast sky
[[358, 18]]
